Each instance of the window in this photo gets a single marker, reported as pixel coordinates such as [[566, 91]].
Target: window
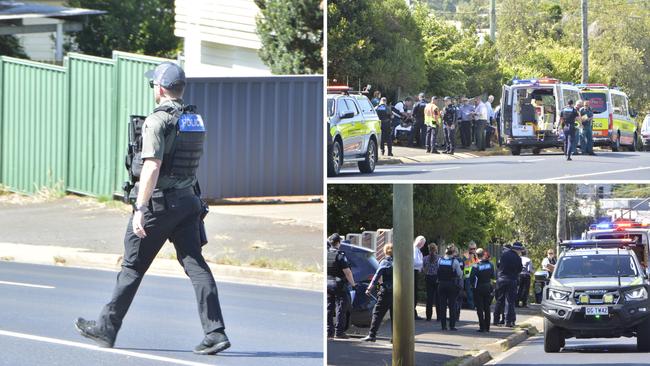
[[570, 95], [597, 101], [330, 107], [342, 107], [365, 105], [619, 104], [352, 106]]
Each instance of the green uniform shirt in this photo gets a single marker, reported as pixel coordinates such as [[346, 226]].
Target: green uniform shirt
[[155, 145]]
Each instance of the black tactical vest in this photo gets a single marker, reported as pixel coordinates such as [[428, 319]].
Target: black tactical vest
[[333, 269], [387, 276], [485, 272], [446, 269], [182, 160]]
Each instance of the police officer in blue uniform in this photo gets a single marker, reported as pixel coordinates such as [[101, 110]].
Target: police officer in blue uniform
[[339, 276], [481, 278], [568, 119], [383, 276], [449, 119], [508, 274], [166, 207], [384, 113], [449, 279]]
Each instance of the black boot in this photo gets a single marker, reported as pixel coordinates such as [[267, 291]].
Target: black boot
[[213, 343], [89, 329]]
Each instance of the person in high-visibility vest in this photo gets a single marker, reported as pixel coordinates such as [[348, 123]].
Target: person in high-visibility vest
[[469, 259], [431, 120]]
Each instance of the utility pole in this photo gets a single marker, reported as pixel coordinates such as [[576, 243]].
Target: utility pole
[[493, 20], [585, 44], [561, 214], [403, 321]]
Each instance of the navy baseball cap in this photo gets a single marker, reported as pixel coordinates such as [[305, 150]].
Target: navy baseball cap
[[168, 75], [517, 246]]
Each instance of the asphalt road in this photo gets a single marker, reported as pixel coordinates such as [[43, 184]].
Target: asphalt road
[[606, 166], [267, 326], [584, 352]]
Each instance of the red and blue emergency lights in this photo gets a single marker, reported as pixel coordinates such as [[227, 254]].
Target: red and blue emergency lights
[[620, 224]]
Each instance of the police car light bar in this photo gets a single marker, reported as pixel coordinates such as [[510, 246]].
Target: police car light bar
[[338, 88], [592, 86], [620, 224], [597, 243]]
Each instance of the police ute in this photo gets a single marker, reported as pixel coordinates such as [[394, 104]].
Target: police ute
[[598, 289], [530, 113]]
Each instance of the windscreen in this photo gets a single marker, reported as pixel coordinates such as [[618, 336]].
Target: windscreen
[[602, 265], [597, 101]]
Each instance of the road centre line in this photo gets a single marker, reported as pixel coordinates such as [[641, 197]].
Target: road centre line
[[594, 174], [25, 284], [531, 160], [96, 348]]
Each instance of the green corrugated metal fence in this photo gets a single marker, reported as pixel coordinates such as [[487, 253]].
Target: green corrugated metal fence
[[34, 125], [67, 125]]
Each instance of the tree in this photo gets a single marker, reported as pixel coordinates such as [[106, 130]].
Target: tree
[[139, 26], [291, 32], [10, 46]]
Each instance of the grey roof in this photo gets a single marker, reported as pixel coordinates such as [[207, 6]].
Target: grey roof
[[16, 10]]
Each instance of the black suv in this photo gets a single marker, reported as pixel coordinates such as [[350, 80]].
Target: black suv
[[598, 290], [363, 266]]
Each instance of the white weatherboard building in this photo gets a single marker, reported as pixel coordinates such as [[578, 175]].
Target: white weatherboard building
[[220, 38]]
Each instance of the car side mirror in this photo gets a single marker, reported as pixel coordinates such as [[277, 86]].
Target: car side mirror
[[346, 115]]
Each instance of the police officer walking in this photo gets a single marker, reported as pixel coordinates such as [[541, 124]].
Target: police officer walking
[[339, 276], [384, 114], [481, 278], [449, 279], [509, 269], [450, 118], [524, 280], [568, 121], [166, 206], [384, 277]]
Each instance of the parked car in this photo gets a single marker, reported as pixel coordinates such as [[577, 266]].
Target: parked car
[[354, 132], [363, 265], [645, 132]]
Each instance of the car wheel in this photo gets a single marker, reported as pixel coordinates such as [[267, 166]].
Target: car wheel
[[537, 150], [335, 161], [516, 150], [553, 337], [368, 164], [643, 336], [616, 145]]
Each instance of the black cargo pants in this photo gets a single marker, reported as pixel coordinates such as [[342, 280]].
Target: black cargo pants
[[174, 216], [384, 304]]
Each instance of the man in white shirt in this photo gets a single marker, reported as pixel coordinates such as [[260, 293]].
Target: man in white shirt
[[491, 126], [418, 262], [481, 116]]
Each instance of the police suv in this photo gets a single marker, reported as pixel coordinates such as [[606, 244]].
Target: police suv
[[598, 290], [354, 131]]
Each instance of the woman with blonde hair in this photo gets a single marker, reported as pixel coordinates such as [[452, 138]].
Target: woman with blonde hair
[[430, 269]]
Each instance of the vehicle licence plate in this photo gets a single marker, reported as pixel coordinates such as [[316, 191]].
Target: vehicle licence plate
[[596, 310]]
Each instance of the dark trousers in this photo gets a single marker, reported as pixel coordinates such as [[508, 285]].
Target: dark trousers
[[432, 289], [466, 133], [587, 139], [337, 304], [420, 133], [479, 134], [508, 298], [569, 142], [483, 300], [450, 139], [386, 137], [489, 132], [180, 223], [416, 274], [431, 138], [524, 289], [499, 306], [447, 294], [383, 305]]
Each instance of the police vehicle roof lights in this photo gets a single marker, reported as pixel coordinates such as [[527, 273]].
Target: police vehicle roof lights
[[620, 225], [597, 244], [592, 86]]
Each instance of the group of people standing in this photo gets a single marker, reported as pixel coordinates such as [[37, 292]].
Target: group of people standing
[[572, 118], [422, 121]]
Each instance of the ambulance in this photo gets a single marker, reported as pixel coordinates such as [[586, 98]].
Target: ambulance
[[530, 113], [614, 125]]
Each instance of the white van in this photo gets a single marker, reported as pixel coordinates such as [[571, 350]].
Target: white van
[[530, 113]]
